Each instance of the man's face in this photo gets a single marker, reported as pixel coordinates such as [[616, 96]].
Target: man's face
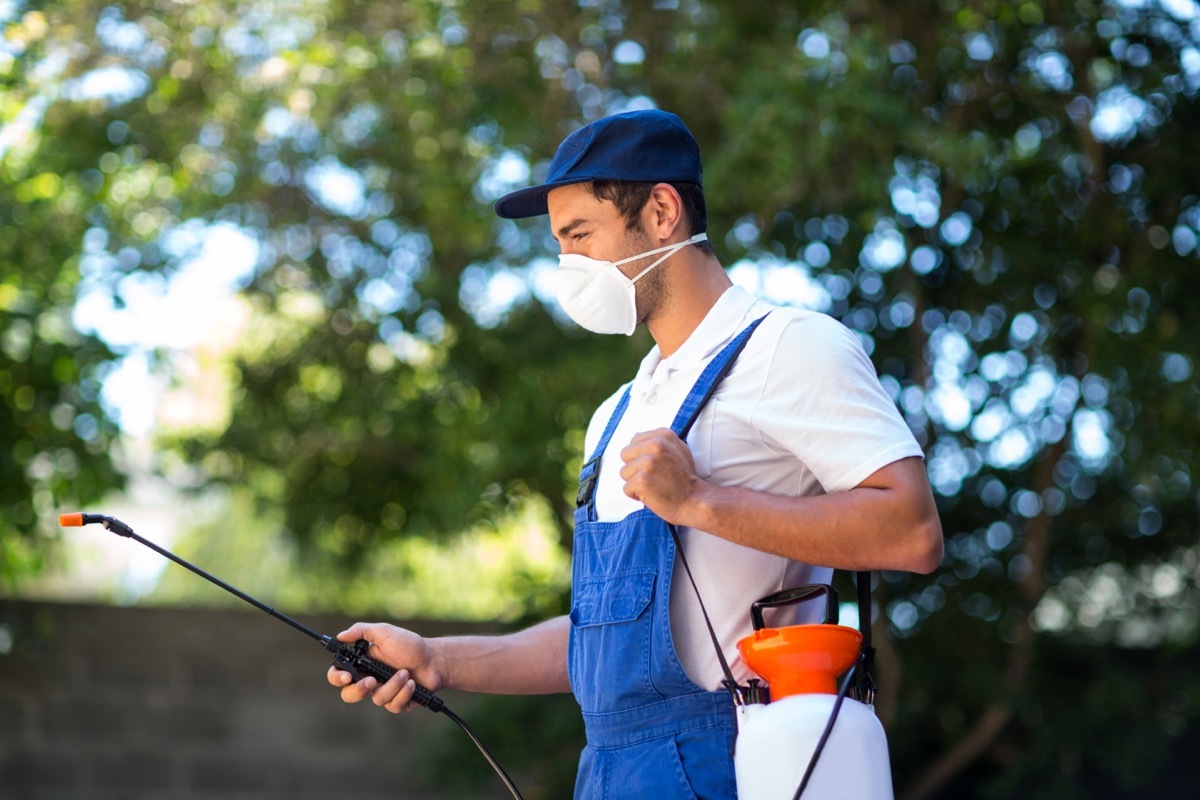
[[585, 225]]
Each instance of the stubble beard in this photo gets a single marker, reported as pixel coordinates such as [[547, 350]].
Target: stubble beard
[[651, 293]]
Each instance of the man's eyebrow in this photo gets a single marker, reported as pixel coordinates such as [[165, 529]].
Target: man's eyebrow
[[565, 230]]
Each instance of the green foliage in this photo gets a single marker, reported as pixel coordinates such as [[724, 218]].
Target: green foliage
[[55, 440], [506, 569], [1001, 198]]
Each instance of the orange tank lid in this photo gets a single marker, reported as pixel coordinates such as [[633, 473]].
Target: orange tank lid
[[801, 659]]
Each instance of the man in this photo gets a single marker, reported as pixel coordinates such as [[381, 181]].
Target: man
[[797, 458]]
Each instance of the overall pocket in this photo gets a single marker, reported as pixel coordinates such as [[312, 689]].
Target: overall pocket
[[650, 769], [609, 657]]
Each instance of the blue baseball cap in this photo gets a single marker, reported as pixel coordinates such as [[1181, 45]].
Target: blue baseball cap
[[648, 145]]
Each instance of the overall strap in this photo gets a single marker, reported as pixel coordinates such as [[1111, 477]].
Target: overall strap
[[699, 395], [697, 398], [590, 472], [709, 380], [611, 427]]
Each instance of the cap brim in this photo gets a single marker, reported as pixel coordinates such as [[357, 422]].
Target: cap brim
[[531, 201]]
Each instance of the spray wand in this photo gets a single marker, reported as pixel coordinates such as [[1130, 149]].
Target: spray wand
[[352, 658]]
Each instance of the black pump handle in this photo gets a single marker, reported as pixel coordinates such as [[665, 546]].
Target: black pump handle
[[797, 594]]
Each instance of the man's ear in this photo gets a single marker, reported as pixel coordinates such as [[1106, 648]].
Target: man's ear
[[662, 216]]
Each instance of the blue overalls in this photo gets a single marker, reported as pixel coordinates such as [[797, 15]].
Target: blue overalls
[[651, 732]]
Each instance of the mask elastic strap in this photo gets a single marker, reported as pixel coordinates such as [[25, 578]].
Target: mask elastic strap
[[674, 248]]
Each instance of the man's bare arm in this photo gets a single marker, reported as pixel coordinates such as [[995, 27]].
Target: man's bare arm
[[531, 661], [889, 521]]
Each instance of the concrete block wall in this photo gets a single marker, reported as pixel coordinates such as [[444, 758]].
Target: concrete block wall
[[104, 703]]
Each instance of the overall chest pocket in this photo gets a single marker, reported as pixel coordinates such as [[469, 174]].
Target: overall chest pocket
[[612, 599], [610, 650]]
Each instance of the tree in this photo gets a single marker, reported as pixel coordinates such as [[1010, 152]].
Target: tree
[[999, 197], [56, 441]]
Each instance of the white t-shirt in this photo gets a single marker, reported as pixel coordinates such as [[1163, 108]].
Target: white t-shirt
[[801, 413]]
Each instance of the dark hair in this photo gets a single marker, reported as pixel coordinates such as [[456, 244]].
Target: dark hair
[[630, 197]]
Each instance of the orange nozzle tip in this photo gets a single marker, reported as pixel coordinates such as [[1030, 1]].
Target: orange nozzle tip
[[70, 520]]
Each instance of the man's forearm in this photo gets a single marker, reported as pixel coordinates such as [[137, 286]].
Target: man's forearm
[[531, 661], [887, 522]]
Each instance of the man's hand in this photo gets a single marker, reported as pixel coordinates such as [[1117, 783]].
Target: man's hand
[[396, 647], [659, 472]]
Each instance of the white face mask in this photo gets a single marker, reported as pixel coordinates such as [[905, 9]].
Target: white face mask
[[598, 296]]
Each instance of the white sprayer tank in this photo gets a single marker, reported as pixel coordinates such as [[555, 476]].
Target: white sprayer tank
[[776, 741]]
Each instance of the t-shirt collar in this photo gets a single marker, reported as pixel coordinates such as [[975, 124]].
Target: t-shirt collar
[[720, 324]]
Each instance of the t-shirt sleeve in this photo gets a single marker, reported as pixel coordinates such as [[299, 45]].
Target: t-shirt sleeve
[[822, 401]]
